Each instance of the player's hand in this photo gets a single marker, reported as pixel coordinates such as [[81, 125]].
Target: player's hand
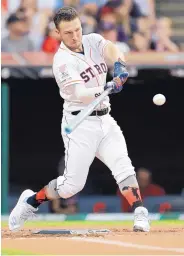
[[120, 80], [120, 77], [120, 73], [115, 88]]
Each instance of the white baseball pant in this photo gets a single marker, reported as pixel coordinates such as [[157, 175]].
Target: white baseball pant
[[95, 136]]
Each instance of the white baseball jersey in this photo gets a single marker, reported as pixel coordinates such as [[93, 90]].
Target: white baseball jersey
[[71, 69]]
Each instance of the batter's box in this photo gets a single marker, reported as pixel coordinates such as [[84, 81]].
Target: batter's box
[[71, 232]]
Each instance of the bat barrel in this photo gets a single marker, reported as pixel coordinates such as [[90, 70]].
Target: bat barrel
[[68, 130]]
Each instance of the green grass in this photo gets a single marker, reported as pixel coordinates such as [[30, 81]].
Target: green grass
[[63, 224], [5, 252]]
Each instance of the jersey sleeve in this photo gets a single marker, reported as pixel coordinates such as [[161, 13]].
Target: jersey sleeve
[[99, 42], [66, 77], [66, 74]]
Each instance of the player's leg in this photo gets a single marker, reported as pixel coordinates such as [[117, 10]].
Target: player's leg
[[80, 149], [113, 152]]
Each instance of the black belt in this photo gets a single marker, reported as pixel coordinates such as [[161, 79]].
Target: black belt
[[95, 112]]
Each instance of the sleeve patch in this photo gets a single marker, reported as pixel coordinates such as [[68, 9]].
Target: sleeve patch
[[63, 73], [62, 68]]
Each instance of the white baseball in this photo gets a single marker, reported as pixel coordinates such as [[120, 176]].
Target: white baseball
[[159, 99]]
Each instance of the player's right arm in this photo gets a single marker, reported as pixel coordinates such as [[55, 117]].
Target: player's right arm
[[72, 86]]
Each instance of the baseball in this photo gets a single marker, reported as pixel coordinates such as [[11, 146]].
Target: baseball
[[159, 99]]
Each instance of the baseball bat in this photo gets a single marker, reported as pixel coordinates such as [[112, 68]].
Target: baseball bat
[[85, 112]]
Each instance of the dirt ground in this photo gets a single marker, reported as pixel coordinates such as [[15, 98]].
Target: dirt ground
[[160, 241]]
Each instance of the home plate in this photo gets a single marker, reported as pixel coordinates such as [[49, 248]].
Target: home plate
[[71, 231]]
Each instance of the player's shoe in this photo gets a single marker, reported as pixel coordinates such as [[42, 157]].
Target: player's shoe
[[141, 220], [21, 212]]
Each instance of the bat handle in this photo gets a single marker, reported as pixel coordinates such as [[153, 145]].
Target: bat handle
[[85, 112]]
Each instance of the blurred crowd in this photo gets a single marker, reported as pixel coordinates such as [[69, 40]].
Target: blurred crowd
[[27, 25]]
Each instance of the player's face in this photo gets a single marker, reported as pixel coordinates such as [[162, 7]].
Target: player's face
[[71, 34]]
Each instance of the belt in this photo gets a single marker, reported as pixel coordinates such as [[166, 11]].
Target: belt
[[95, 112]]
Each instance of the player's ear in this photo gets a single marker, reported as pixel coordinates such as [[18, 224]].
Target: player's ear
[[59, 35], [57, 31]]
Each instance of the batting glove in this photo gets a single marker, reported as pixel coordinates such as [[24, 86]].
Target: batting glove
[[115, 88], [120, 73]]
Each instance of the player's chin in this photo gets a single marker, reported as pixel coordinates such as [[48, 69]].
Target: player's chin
[[76, 44]]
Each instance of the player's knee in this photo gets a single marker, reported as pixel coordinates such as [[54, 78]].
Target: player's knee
[[124, 174], [67, 190], [129, 181], [122, 169], [65, 195]]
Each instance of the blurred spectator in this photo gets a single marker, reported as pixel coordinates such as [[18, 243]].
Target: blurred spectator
[[4, 5], [140, 42], [135, 26], [107, 16], [124, 8], [147, 188], [134, 9], [126, 13], [109, 32], [144, 26], [162, 36], [147, 7], [37, 20], [88, 22], [4, 16], [17, 39], [51, 42], [99, 207], [79, 3], [60, 205], [141, 39], [13, 5], [64, 206], [72, 3], [165, 207], [90, 8]]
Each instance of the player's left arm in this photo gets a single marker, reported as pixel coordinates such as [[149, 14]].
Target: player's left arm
[[113, 58], [112, 54], [116, 59]]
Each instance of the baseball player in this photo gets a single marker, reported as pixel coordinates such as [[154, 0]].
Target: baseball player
[[80, 69]]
